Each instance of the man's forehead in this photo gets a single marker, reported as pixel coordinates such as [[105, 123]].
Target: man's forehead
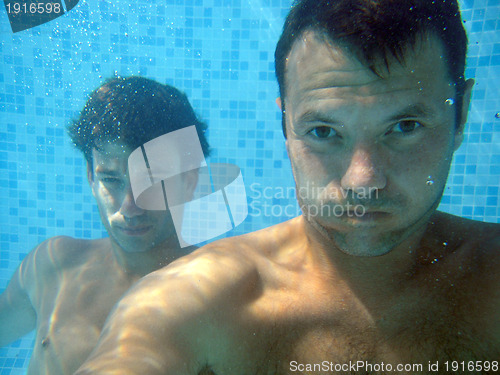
[[115, 155], [316, 63], [311, 42], [336, 55], [111, 150]]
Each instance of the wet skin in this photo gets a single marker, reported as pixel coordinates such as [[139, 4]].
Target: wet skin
[[404, 284], [66, 287]]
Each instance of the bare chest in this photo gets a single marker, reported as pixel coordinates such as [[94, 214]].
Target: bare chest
[[416, 332], [374, 349], [413, 336], [71, 314]]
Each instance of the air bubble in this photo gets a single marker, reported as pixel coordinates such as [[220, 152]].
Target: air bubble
[[497, 115], [429, 181], [449, 101]]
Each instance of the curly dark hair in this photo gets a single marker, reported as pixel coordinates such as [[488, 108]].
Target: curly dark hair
[[132, 110]]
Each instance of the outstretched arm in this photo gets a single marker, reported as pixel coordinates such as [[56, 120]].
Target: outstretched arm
[[138, 335], [173, 321], [158, 326]]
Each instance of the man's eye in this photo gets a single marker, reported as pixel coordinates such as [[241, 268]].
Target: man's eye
[[110, 181], [405, 127], [323, 132]]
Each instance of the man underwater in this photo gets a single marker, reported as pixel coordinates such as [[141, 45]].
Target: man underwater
[[65, 288], [374, 104]]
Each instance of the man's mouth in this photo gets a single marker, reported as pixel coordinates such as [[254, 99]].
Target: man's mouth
[[136, 230]]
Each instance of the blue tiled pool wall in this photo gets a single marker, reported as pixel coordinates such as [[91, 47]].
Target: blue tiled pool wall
[[220, 52]]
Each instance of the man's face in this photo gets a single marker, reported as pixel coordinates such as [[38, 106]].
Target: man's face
[[370, 154], [130, 227]]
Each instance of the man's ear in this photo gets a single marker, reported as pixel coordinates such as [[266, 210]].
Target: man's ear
[[90, 176], [278, 102], [464, 111], [190, 182]]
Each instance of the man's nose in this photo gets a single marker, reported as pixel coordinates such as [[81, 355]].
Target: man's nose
[[363, 173], [128, 208]]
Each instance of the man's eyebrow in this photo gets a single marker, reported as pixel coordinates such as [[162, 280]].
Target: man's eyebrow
[[317, 116], [413, 110], [419, 110]]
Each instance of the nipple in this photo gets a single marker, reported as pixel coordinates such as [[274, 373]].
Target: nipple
[[45, 342]]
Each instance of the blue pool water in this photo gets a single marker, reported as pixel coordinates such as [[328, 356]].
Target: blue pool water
[[220, 53]]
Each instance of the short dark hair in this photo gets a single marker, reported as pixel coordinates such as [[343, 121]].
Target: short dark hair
[[132, 110], [377, 30]]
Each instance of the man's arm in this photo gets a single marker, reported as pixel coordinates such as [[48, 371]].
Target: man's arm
[[37, 271], [138, 337], [169, 322], [17, 316]]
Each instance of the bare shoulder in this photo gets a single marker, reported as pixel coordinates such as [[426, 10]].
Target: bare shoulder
[[474, 266], [192, 309], [53, 256], [212, 272], [473, 246], [237, 256], [471, 234], [60, 251]]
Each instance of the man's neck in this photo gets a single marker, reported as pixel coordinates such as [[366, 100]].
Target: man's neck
[[139, 264], [376, 276]]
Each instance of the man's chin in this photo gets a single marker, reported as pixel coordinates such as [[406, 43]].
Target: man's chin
[[370, 236], [364, 242], [365, 247], [134, 245]]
